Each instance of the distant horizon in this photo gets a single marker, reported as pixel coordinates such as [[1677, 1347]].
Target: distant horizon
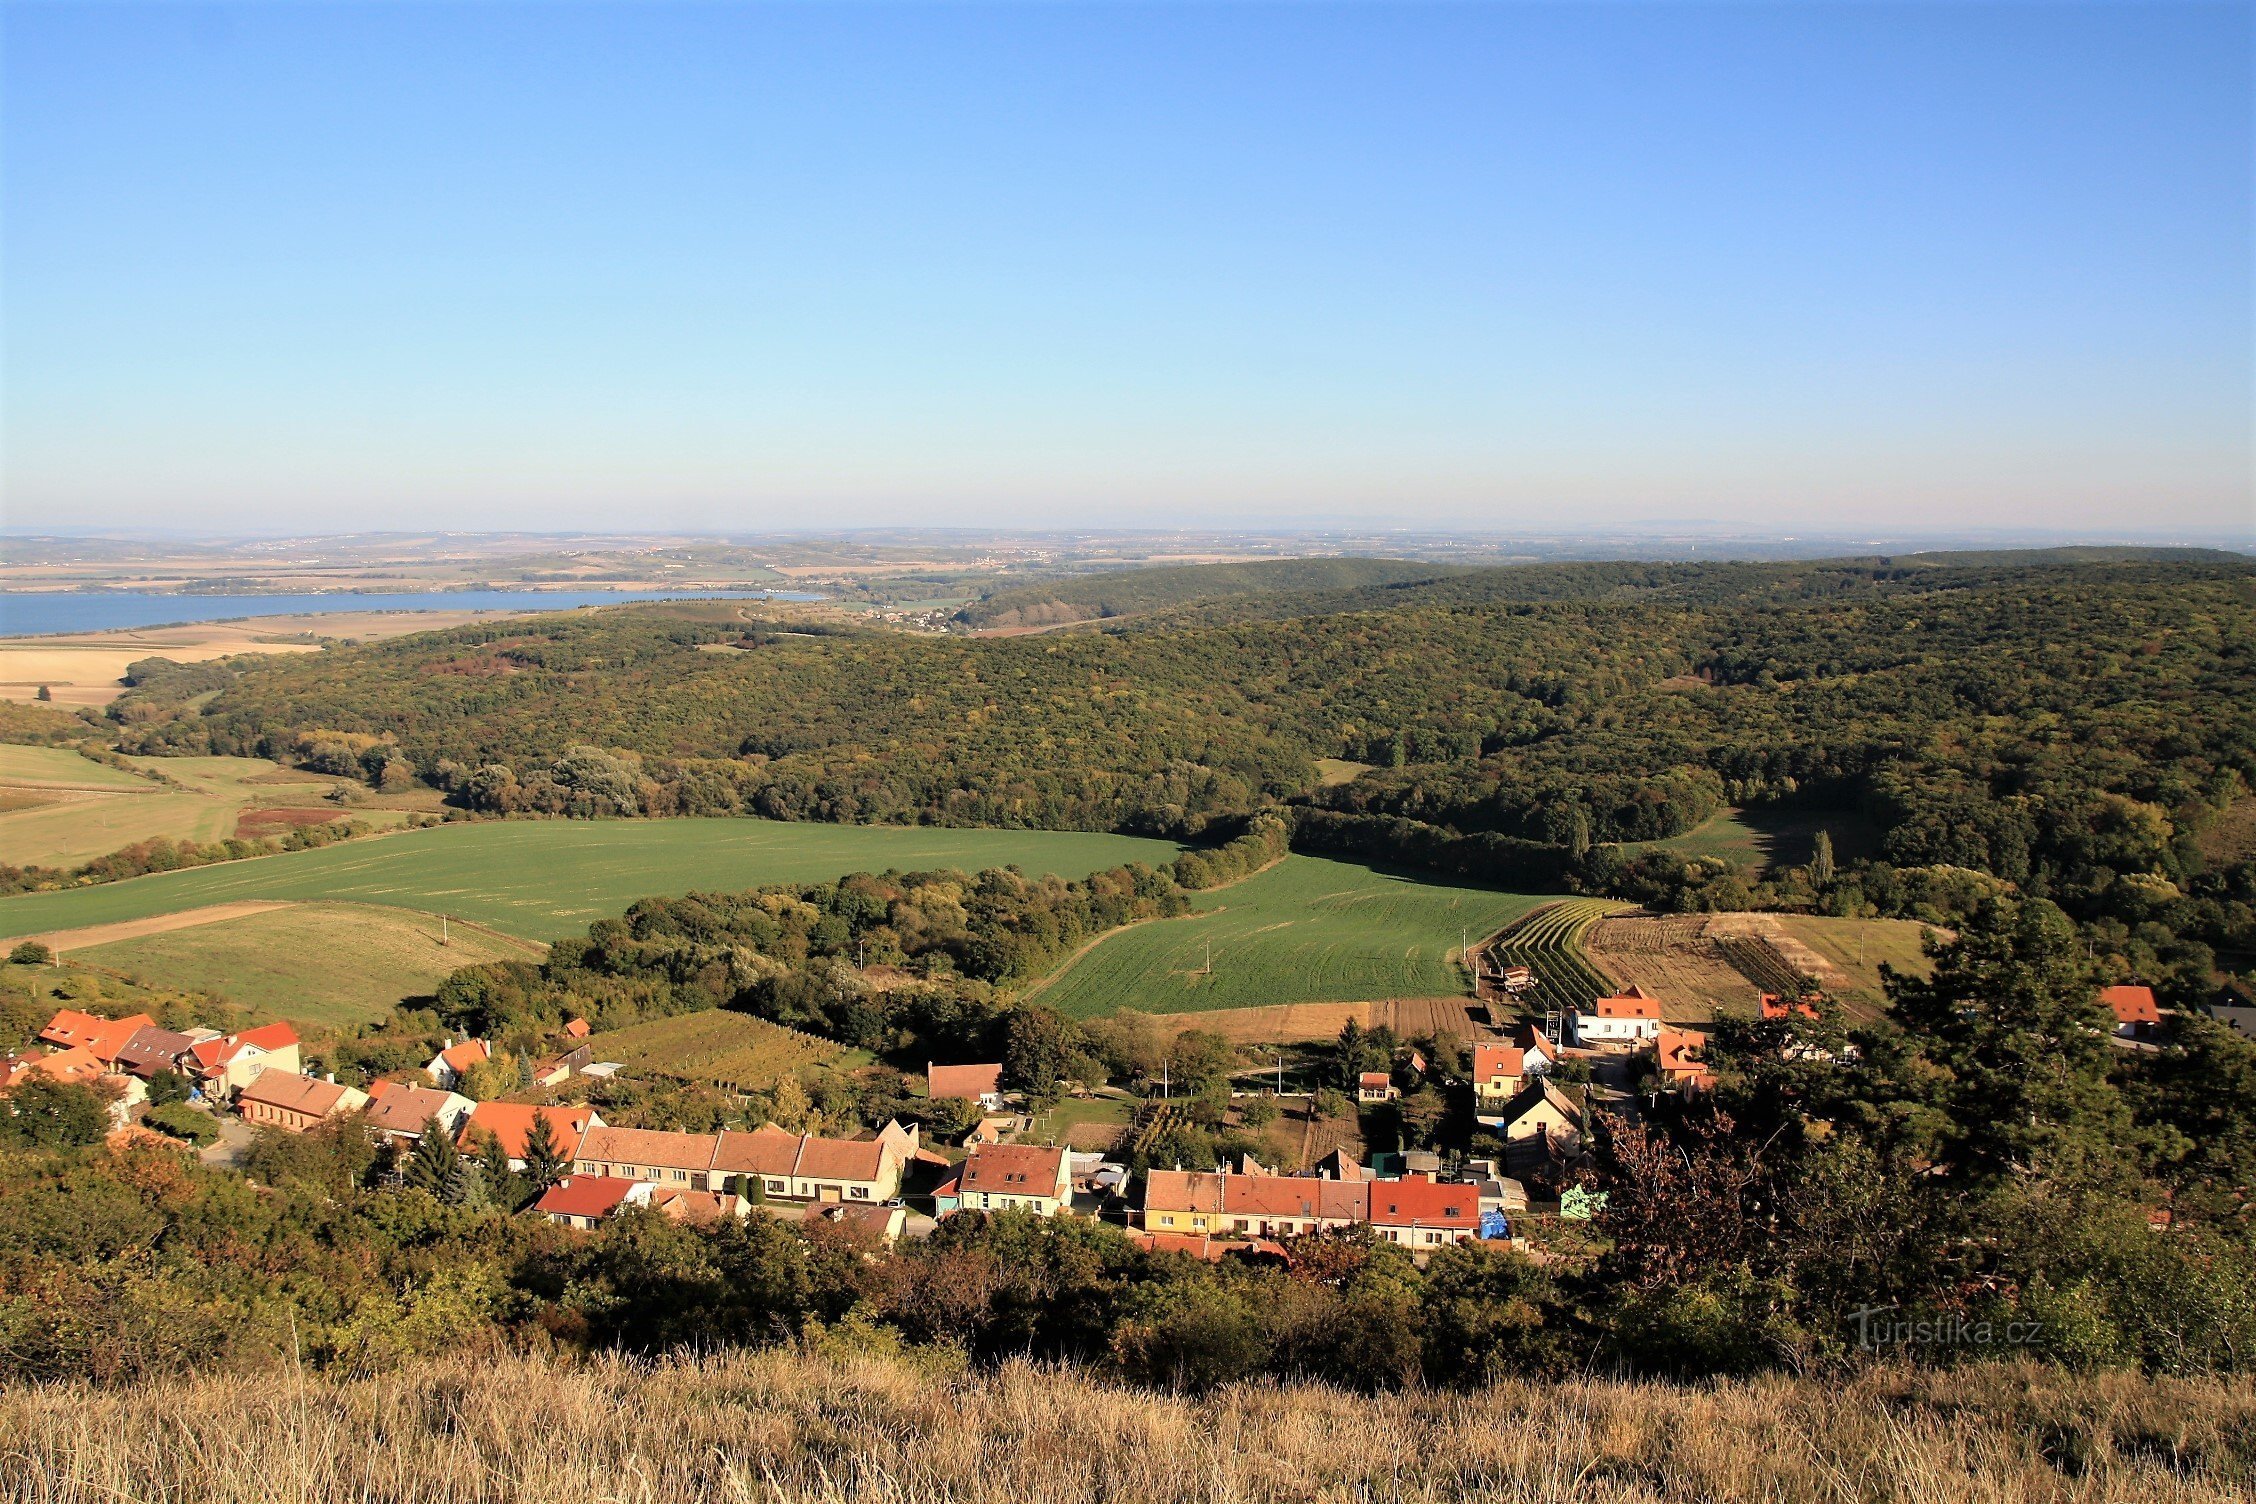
[[723, 268]]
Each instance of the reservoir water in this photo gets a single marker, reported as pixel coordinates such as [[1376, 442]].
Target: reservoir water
[[24, 612]]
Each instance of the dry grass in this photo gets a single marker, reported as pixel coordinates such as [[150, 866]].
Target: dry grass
[[787, 1427], [1290, 1023]]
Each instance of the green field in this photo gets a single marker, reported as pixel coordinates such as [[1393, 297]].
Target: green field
[[325, 967], [71, 809], [540, 879], [1307, 930]]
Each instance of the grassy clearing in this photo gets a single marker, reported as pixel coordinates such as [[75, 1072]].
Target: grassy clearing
[[62, 768], [734, 1051], [1334, 771], [1767, 838], [541, 879], [326, 968], [1306, 930], [788, 1426]]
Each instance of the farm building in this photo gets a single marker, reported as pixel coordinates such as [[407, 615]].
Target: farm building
[[1629, 1018], [294, 1103]]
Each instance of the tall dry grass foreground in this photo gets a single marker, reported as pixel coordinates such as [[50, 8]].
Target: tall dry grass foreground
[[789, 1427]]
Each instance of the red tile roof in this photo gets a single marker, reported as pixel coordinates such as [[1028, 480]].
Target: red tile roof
[[1491, 1060], [1774, 1006], [294, 1093], [575, 1028], [104, 1037], [766, 1150], [75, 1066], [963, 1082], [460, 1057], [398, 1107], [1014, 1170], [649, 1146], [1631, 1002], [1422, 1203], [2132, 1005], [841, 1159], [511, 1121], [584, 1196]]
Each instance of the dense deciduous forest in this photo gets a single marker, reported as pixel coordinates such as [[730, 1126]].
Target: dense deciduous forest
[[2076, 728]]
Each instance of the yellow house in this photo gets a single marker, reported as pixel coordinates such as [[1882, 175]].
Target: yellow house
[[1184, 1201]]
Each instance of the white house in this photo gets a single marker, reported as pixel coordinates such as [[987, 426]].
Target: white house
[[1630, 1018]]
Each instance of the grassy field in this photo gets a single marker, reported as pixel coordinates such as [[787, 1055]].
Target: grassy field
[[1767, 838], [790, 1426], [86, 809], [1306, 930], [326, 967], [540, 879], [734, 1051]]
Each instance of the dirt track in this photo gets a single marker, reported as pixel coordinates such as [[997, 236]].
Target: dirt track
[[61, 941]]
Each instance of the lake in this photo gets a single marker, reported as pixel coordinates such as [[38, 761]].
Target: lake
[[25, 612]]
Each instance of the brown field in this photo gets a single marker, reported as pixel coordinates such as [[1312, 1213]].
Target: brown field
[[258, 824], [1704, 966], [793, 1427], [84, 670], [1290, 1022]]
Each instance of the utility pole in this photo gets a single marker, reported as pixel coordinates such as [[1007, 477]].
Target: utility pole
[[1206, 948], [443, 939]]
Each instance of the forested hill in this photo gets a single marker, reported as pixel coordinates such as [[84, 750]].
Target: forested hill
[[2082, 730], [1128, 592]]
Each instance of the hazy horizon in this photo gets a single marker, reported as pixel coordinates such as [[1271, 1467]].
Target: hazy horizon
[[1506, 270]]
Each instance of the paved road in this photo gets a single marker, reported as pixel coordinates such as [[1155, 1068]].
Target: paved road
[[234, 1138]]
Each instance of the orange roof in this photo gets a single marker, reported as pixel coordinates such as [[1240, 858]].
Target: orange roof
[[1631, 1002], [1376, 1078], [575, 1028], [766, 1150], [1422, 1203], [294, 1093], [2132, 1005], [585, 1196], [1014, 1170], [1498, 1060], [75, 1066], [963, 1082], [400, 1107], [266, 1039], [511, 1121], [1682, 1054], [102, 1036], [657, 1148], [1201, 1245], [1774, 1006], [1294, 1196], [460, 1057], [1182, 1191], [841, 1159]]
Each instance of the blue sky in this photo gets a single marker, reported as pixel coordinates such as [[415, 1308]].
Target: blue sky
[[1808, 267]]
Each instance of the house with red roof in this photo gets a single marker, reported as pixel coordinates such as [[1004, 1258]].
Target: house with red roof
[[398, 1111], [450, 1065], [965, 1083], [1424, 1214], [1775, 1007], [1008, 1177], [584, 1200], [1499, 1071], [100, 1037], [511, 1121], [1681, 1056], [1375, 1086], [226, 1064], [1627, 1019], [2137, 1015]]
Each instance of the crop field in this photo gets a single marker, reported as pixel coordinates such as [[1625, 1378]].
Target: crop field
[[1306, 930], [80, 809], [717, 1047], [1550, 942], [1707, 965], [325, 967], [542, 879]]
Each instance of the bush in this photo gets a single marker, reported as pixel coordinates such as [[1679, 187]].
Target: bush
[[182, 1121], [30, 953]]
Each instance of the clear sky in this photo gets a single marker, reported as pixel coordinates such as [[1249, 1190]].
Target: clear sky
[[732, 266]]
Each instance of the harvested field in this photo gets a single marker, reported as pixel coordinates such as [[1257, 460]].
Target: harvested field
[[1707, 965], [258, 824], [732, 1051], [1290, 1022], [92, 935]]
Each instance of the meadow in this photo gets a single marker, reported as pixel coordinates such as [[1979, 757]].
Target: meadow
[[543, 879], [282, 962], [71, 809], [833, 1424], [1766, 838], [1305, 930]]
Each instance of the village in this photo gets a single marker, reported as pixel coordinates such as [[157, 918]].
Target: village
[[1532, 1093]]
